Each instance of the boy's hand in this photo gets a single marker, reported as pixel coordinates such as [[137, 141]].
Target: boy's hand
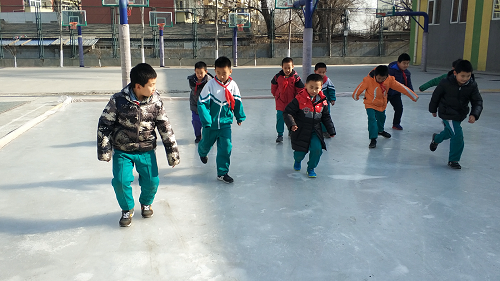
[[332, 102], [294, 128], [332, 136], [355, 98], [472, 119], [434, 115], [239, 123]]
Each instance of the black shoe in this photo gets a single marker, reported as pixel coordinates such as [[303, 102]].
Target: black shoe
[[126, 219], [204, 159], [146, 211], [454, 165], [373, 143], [198, 139], [225, 178], [384, 134], [434, 144], [279, 139]]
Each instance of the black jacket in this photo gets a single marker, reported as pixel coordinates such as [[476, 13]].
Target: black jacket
[[308, 120], [195, 91], [451, 101]]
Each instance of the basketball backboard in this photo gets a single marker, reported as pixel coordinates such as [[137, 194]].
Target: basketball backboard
[[239, 18], [156, 18], [385, 8], [78, 16], [131, 3]]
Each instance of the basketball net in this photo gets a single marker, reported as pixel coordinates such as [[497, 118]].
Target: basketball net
[[73, 25], [240, 27], [161, 25]]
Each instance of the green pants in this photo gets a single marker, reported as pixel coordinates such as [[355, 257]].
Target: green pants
[[146, 166], [280, 122], [376, 121], [315, 151], [453, 131], [224, 146]]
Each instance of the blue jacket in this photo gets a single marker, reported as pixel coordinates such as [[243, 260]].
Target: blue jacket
[[398, 74]]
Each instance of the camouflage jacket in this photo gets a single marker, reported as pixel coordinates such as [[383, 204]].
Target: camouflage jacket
[[130, 126]]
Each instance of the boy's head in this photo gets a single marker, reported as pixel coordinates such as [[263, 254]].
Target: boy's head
[[381, 73], [200, 69], [454, 64], [463, 71], [404, 61], [287, 65], [143, 80], [314, 82], [223, 69], [320, 68]]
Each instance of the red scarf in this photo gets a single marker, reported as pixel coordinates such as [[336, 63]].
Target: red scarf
[[196, 87], [229, 96], [382, 87], [325, 79], [404, 76]]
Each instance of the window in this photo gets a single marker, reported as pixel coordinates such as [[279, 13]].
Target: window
[[459, 11], [434, 11], [496, 9]]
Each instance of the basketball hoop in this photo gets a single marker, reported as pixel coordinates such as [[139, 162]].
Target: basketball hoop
[[380, 15], [240, 27], [161, 26], [73, 25]]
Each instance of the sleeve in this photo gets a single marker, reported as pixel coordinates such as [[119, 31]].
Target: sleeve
[[326, 119], [290, 111], [359, 89], [403, 89], [410, 85], [105, 130], [167, 135], [477, 103], [298, 84], [431, 83], [274, 86], [436, 97], [238, 105], [330, 90], [204, 106]]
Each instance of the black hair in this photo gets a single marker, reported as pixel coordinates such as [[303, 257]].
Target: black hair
[[404, 57], [141, 73], [200, 65], [222, 62], [286, 60], [381, 70], [314, 77], [320, 65], [463, 65], [454, 64]]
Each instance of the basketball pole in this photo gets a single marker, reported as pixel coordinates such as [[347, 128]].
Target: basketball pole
[[162, 48], [307, 40], [124, 34], [80, 45], [235, 46]]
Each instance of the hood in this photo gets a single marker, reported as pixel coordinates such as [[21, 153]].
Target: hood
[[394, 65], [127, 94]]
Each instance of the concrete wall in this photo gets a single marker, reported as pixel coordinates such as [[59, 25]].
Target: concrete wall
[[493, 58]]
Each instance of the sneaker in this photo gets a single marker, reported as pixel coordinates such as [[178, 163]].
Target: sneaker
[[279, 139], [384, 134], [311, 173], [146, 211], [373, 143], [198, 139], [204, 159], [434, 144], [126, 219], [296, 166], [397, 127], [454, 165], [225, 178]]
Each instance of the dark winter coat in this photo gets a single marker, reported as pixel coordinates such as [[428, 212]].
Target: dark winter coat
[[284, 89], [196, 90], [308, 116], [395, 71], [129, 126], [451, 101]]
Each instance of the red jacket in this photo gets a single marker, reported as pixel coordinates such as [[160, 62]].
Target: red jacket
[[284, 89]]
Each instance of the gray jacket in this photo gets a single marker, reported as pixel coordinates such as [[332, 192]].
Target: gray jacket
[[130, 127]]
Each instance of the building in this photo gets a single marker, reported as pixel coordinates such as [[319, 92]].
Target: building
[[467, 29]]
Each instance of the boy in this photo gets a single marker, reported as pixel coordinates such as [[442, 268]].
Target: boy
[[284, 86], [219, 101], [303, 116], [399, 69], [376, 84], [328, 90], [435, 81], [196, 82], [451, 101], [127, 128]]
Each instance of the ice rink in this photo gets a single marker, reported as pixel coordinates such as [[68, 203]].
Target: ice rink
[[396, 212]]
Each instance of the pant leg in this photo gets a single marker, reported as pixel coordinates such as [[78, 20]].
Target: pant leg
[[298, 156], [196, 124], [207, 141], [446, 133], [224, 147], [456, 142], [280, 122], [149, 180], [372, 124], [380, 116], [315, 151], [397, 104], [123, 176]]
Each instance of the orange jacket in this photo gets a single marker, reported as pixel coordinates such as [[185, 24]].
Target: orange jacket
[[376, 94]]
